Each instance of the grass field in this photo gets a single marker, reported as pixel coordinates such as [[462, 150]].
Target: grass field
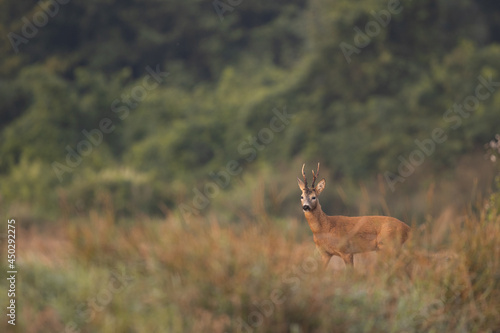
[[98, 275]]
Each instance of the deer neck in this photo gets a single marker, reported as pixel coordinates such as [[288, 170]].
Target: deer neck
[[316, 219]]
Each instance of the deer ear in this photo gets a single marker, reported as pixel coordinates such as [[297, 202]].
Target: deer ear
[[321, 186], [301, 184]]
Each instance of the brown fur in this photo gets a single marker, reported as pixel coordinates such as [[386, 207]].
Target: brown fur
[[345, 236]]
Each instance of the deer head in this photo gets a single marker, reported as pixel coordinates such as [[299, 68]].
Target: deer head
[[309, 195]]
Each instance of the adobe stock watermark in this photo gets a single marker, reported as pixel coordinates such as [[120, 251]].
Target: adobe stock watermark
[[121, 107], [248, 150], [221, 7], [453, 116], [362, 39], [46, 10], [86, 311], [290, 283]]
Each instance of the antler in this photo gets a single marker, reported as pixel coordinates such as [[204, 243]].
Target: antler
[[304, 175], [315, 175]]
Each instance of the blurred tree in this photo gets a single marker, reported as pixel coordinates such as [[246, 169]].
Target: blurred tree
[[357, 110]]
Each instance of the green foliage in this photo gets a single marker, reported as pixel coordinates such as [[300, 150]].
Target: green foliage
[[30, 183], [226, 77]]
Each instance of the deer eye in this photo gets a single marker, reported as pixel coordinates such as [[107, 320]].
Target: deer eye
[[314, 198], [301, 197]]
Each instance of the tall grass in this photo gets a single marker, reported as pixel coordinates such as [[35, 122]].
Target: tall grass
[[206, 276]]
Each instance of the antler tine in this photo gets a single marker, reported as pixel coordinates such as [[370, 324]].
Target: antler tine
[[315, 175], [304, 175]]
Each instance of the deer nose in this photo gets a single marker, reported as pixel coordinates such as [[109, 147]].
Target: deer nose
[[306, 207]]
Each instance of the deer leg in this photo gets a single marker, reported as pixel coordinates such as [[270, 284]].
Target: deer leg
[[325, 258], [348, 259]]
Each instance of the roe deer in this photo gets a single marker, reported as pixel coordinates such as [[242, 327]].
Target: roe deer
[[345, 236]]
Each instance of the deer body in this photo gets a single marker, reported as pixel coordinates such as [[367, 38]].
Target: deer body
[[345, 236]]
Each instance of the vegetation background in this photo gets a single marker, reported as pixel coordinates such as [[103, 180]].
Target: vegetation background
[[189, 191]]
